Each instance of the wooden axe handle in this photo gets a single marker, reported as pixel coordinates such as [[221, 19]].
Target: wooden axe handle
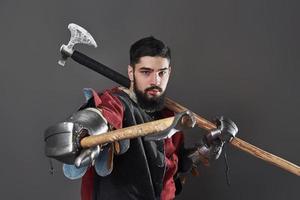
[[238, 143], [128, 132], [266, 156]]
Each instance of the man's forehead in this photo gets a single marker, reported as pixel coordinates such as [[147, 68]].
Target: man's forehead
[[152, 63]]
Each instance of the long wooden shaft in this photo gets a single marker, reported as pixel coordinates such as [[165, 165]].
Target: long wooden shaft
[[128, 132], [238, 143], [266, 156]]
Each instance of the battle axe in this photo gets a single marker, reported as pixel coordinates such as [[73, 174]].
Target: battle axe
[[80, 35]]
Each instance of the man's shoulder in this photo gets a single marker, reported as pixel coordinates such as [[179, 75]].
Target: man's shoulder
[[125, 95], [111, 106], [115, 92], [111, 96], [98, 98]]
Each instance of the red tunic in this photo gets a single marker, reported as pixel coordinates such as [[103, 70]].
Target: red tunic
[[172, 146], [112, 110]]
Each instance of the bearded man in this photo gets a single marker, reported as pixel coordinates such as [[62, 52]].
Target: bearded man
[[138, 168]]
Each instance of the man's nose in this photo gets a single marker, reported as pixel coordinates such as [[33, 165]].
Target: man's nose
[[155, 79]]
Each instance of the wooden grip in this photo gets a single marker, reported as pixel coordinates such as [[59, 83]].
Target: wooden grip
[[238, 143], [127, 133]]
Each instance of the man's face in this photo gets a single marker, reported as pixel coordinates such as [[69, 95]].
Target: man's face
[[150, 77]]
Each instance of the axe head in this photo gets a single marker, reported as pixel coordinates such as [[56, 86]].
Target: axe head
[[78, 36]]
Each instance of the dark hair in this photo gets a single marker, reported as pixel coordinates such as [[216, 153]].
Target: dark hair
[[148, 46]]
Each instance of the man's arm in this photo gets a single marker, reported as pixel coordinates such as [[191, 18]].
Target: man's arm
[[210, 147], [100, 114]]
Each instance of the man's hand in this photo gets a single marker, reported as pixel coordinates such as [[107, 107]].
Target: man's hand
[[211, 145], [227, 129]]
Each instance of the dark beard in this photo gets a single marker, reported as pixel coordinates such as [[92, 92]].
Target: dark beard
[[149, 104]]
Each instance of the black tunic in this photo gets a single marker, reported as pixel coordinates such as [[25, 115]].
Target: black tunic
[[139, 172]]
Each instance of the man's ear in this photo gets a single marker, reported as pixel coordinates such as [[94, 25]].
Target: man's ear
[[170, 69], [130, 72]]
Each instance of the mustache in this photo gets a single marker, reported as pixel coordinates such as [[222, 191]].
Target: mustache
[[153, 88]]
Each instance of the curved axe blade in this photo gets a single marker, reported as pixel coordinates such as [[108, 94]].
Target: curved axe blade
[[78, 36]]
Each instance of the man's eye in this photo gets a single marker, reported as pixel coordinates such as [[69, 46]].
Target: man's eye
[[162, 73], [145, 72]]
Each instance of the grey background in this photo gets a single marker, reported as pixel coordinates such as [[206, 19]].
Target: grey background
[[234, 58]]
